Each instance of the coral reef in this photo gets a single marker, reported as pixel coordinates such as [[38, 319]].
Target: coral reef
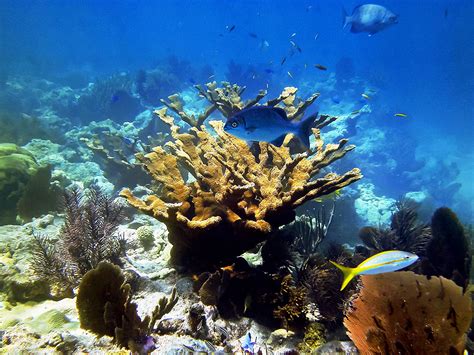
[[405, 232], [310, 231], [322, 284], [237, 198], [86, 238], [105, 308], [25, 188], [115, 154], [111, 97], [314, 337], [156, 83], [145, 237], [402, 312], [373, 209], [294, 300], [21, 128], [448, 251], [443, 247]]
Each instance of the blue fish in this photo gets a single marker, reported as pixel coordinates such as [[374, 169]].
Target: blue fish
[[386, 261], [268, 124], [248, 344], [370, 18]]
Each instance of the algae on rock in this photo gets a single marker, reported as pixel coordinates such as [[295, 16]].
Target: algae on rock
[[25, 188]]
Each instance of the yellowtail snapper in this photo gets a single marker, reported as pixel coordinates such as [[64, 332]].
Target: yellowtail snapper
[[400, 115], [386, 261]]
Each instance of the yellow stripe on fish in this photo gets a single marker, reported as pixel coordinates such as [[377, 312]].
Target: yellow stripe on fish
[[386, 261]]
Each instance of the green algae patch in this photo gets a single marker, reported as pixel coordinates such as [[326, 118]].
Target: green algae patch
[[41, 318], [49, 321]]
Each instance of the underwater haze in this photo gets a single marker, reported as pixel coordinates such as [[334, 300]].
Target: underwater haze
[[112, 166]]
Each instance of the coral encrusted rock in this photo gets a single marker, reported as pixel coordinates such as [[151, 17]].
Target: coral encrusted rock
[[25, 188], [236, 197]]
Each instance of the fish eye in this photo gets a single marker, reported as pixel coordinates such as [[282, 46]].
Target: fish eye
[[234, 124]]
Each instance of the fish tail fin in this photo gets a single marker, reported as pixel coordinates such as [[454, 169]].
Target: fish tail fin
[[304, 129], [347, 272], [345, 18]]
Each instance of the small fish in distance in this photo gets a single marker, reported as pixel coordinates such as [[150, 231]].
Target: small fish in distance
[[253, 35], [400, 115], [289, 74], [283, 60], [365, 96], [264, 45], [370, 18], [386, 261], [295, 46], [268, 124], [230, 28], [320, 67]]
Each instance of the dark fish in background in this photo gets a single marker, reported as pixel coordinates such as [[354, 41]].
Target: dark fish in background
[[231, 28], [269, 71], [253, 35], [446, 13], [295, 46], [369, 18], [320, 67], [268, 124], [283, 60], [336, 99]]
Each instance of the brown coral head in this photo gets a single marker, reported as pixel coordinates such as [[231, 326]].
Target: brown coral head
[[406, 313], [236, 198]]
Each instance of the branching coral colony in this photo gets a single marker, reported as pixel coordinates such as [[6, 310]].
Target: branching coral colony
[[238, 197]]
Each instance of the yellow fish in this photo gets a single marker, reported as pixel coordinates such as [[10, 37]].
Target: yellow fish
[[365, 96], [386, 261], [332, 196], [400, 115]]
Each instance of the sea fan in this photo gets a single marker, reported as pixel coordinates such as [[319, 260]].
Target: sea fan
[[87, 237], [405, 232]]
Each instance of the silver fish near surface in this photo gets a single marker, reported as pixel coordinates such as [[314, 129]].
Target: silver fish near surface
[[370, 18], [268, 124]]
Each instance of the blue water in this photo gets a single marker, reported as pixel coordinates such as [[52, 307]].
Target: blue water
[[422, 66]]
